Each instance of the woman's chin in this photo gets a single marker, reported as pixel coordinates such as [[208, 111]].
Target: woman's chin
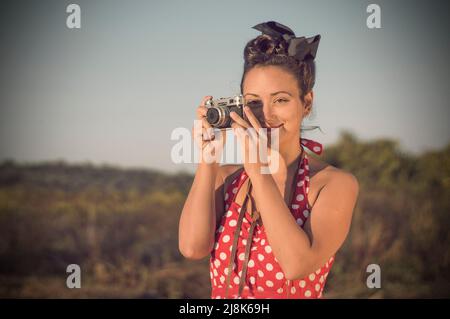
[[272, 130], [277, 132]]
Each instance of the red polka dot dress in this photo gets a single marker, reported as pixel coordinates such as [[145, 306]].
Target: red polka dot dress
[[264, 276]]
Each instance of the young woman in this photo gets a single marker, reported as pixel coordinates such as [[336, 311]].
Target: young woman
[[270, 235]]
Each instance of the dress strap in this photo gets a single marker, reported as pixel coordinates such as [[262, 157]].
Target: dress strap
[[312, 145]]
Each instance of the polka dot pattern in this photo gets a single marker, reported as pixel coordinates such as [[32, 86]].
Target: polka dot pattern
[[264, 278]]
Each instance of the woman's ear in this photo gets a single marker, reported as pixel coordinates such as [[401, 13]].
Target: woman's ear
[[309, 97]]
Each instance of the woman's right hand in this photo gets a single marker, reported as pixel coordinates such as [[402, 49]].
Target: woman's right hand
[[210, 143]]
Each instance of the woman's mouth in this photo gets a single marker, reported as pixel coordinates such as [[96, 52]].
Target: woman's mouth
[[273, 126], [273, 129]]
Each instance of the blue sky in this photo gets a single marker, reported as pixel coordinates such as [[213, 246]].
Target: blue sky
[[113, 91]]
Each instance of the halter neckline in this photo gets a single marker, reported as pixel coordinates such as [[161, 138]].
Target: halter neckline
[[312, 145]]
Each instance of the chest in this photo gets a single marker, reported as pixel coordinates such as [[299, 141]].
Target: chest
[[310, 186]]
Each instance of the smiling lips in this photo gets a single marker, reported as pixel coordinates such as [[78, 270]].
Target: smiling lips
[[272, 127]]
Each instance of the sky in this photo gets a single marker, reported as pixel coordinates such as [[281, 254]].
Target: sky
[[113, 91]]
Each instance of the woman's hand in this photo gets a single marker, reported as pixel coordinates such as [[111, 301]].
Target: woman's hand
[[210, 144], [253, 140]]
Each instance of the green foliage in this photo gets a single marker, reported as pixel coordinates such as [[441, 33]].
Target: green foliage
[[121, 227]]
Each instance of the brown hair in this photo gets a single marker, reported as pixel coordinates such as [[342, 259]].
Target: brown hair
[[264, 50]]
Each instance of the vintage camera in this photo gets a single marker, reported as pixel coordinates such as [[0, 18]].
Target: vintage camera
[[219, 110]]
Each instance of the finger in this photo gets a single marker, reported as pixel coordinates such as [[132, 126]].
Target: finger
[[206, 124], [249, 148], [262, 132], [206, 98], [223, 134], [208, 131], [201, 111], [235, 125], [248, 136], [238, 130], [238, 119], [252, 118], [197, 135], [197, 129], [253, 135], [207, 136], [202, 135]]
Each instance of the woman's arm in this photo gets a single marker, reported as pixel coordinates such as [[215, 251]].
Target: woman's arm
[[205, 199], [198, 219], [331, 216]]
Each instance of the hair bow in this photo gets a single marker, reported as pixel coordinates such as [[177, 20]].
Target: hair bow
[[299, 47]]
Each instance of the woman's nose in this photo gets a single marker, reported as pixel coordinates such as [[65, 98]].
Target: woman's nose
[[268, 112]]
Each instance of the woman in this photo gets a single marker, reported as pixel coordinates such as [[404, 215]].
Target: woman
[[282, 243]]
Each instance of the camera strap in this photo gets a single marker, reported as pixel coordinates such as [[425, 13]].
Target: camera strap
[[255, 216]]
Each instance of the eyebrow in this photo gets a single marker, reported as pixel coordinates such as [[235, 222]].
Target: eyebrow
[[272, 94]]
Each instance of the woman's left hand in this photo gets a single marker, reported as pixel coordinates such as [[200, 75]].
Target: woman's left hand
[[253, 140]]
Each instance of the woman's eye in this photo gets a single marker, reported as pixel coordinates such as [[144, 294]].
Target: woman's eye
[[282, 100], [254, 103]]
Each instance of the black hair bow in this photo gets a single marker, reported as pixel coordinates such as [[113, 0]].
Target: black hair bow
[[299, 47]]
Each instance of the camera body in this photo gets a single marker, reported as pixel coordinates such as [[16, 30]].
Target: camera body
[[219, 110]]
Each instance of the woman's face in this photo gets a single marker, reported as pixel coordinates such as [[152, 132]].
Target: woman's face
[[279, 94]]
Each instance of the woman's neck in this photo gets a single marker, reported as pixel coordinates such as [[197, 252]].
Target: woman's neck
[[288, 156]]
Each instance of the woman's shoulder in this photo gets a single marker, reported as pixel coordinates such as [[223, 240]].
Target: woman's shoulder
[[327, 173], [339, 181]]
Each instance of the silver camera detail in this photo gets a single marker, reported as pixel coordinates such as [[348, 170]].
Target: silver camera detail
[[219, 110]]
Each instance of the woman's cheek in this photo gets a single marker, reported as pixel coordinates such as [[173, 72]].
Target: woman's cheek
[[288, 127]]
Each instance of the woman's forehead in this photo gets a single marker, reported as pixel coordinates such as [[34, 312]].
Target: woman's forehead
[[267, 80]]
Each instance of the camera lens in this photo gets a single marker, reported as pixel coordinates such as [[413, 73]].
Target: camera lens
[[218, 116], [213, 116]]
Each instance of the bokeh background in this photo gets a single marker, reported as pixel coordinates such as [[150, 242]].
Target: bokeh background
[[86, 117]]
